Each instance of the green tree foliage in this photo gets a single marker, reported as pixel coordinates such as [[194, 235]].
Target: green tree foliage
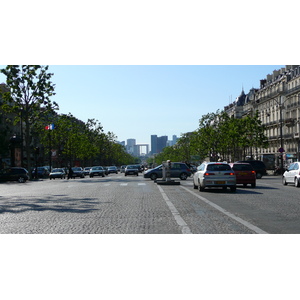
[[220, 136], [30, 89]]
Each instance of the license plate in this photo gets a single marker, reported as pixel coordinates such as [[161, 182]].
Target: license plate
[[242, 173], [220, 182]]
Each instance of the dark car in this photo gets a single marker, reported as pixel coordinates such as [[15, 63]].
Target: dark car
[[258, 166], [14, 174], [178, 170], [77, 172], [57, 173], [42, 172], [244, 173], [131, 170], [112, 169]]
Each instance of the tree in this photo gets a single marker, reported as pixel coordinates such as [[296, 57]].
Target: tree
[[28, 98], [221, 136]]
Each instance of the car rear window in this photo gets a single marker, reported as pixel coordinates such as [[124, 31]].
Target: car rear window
[[242, 167], [218, 167]]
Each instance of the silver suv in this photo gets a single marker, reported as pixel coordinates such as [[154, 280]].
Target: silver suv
[[214, 174], [292, 174]]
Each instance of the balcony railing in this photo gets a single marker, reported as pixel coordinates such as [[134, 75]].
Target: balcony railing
[[293, 90]]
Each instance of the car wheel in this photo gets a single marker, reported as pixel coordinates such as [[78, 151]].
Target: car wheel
[[183, 176], [153, 176], [258, 175], [137, 174], [200, 188], [21, 180], [297, 182], [284, 181], [245, 184], [195, 186], [253, 185]]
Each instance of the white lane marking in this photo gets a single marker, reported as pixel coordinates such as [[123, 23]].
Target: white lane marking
[[230, 215], [124, 184], [141, 183], [184, 227]]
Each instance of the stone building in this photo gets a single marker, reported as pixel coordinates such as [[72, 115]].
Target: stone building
[[278, 102]]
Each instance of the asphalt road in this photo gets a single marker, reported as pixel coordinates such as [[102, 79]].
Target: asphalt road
[[117, 204]]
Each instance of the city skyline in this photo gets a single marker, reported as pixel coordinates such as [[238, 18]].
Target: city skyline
[[156, 146]]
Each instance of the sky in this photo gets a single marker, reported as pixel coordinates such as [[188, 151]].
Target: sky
[[137, 101]]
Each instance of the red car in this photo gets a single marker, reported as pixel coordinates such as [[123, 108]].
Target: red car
[[244, 173]]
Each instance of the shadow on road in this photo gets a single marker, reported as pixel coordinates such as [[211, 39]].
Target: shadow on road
[[242, 190], [57, 203]]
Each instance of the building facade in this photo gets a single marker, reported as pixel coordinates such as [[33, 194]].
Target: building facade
[[277, 101]]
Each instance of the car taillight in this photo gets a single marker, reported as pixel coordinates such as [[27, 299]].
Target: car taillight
[[253, 172], [208, 174], [229, 174]]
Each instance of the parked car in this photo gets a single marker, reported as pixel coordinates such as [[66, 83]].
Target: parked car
[[14, 174], [77, 172], [122, 169], [178, 170], [86, 170], [258, 166], [292, 174], [244, 173], [42, 172], [214, 174], [57, 173], [112, 169], [105, 170], [97, 171], [131, 170]]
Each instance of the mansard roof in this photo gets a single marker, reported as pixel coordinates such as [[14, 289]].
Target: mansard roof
[[240, 100]]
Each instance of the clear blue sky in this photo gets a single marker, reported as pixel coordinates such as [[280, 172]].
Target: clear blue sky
[[136, 101]]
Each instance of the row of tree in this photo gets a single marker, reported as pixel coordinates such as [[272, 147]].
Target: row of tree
[[218, 137], [27, 99]]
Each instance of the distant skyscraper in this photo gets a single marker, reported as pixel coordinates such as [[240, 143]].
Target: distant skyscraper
[[161, 143], [174, 139], [153, 144], [130, 147]]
